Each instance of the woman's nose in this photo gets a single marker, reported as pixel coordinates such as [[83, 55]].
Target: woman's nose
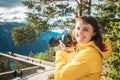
[[79, 33]]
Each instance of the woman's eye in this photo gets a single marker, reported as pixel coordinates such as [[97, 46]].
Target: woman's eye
[[85, 29], [78, 28]]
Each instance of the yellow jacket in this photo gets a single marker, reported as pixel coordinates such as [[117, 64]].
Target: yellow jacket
[[83, 64]]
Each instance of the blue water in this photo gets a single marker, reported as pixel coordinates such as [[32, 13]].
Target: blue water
[[40, 45]]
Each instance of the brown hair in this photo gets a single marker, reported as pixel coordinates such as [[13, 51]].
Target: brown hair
[[98, 37]]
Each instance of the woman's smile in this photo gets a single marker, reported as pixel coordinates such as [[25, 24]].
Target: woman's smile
[[80, 39]]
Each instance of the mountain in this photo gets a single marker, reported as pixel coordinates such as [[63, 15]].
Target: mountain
[[40, 45]]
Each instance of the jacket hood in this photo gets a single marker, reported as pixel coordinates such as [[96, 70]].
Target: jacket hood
[[105, 54]]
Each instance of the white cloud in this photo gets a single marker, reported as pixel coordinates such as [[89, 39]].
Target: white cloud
[[16, 14]]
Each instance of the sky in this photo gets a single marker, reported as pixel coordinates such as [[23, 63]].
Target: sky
[[12, 11]]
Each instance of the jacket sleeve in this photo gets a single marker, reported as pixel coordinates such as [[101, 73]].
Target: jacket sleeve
[[77, 68], [60, 61]]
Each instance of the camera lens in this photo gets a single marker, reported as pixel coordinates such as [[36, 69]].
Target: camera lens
[[67, 40], [53, 42]]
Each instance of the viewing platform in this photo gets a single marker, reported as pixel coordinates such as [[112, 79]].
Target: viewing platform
[[40, 71]]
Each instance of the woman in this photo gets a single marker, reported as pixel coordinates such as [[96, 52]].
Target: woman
[[85, 61]]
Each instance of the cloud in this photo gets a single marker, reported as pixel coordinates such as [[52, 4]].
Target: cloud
[[12, 11], [16, 14]]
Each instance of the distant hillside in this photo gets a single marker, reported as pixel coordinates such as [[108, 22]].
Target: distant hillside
[[7, 44], [40, 45]]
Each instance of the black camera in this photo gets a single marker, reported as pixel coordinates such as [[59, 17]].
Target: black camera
[[66, 39]]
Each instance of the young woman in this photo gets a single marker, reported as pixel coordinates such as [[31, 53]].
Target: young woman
[[85, 61]]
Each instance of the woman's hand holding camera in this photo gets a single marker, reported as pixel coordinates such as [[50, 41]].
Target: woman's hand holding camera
[[63, 47]]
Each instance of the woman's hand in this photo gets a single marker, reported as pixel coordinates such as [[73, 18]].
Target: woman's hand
[[63, 47]]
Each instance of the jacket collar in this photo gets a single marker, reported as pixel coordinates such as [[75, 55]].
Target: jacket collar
[[104, 54]]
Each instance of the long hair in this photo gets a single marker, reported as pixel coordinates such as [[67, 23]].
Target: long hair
[[98, 36]]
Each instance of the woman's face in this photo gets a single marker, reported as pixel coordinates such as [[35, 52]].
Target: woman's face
[[83, 32]]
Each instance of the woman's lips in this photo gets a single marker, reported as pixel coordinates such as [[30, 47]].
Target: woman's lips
[[80, 39]]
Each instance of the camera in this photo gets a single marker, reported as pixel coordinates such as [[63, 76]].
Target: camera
[[66, 39]]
